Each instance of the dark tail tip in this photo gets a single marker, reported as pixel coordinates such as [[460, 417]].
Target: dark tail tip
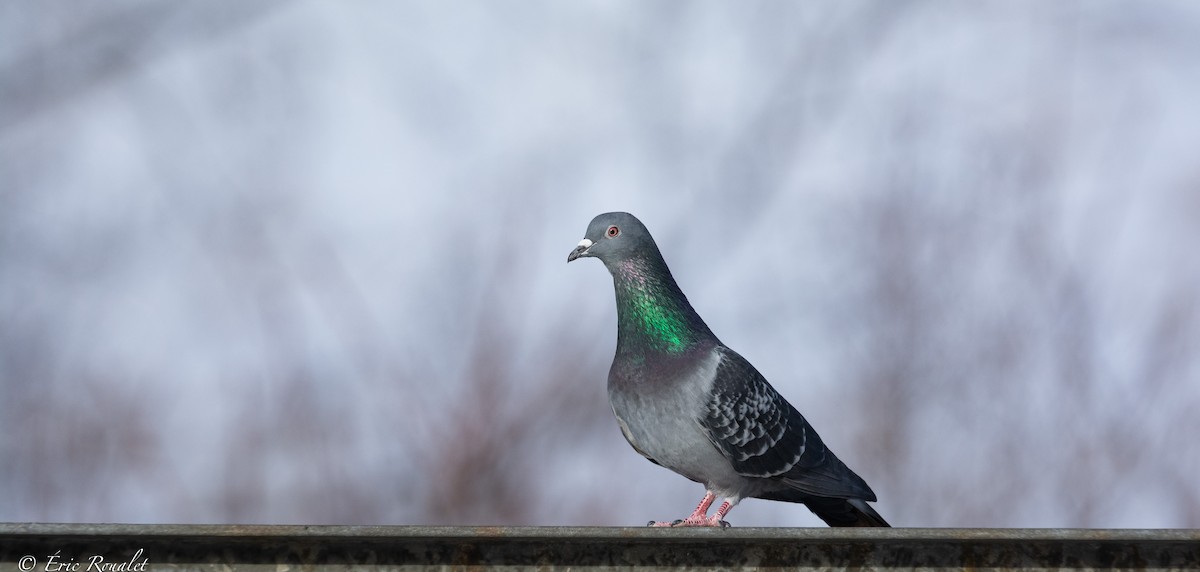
[[866, 515], [846, 512]]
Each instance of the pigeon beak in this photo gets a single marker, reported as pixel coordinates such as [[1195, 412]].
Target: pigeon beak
[[580, 250]]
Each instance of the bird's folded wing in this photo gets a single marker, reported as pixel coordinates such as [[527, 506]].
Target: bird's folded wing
[[763, 436]]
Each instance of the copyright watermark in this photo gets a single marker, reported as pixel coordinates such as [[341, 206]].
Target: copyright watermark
[[94, 563]]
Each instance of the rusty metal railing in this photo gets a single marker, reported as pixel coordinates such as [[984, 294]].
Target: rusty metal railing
[[115, 548]]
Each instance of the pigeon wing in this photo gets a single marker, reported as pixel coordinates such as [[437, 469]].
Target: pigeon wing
[[763, 436]]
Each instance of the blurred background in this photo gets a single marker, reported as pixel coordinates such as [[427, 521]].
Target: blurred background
[[304, 262]]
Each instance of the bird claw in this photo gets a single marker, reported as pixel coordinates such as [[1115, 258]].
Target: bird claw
[[690, 523]]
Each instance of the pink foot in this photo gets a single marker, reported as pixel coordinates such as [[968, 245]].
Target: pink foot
[[700, 517], [712, 521]]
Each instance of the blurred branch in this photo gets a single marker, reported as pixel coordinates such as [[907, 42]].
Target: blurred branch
[[128, 37]]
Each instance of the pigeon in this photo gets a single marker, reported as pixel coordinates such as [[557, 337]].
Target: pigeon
[[689, 403]]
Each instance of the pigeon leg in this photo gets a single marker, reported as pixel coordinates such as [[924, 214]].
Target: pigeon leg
[[718, 518], [698, 517]]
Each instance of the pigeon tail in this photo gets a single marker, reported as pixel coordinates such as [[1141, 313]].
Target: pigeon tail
[[834, 511], [845, 512]]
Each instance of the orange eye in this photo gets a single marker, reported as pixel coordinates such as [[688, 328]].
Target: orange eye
[[613, 231]]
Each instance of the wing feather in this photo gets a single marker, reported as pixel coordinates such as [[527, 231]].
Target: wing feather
[[763, 436]]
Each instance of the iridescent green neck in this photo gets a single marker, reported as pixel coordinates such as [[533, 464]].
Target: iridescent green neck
[[652, 313]]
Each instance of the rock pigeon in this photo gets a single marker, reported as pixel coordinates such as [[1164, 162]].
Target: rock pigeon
[[689, 403]]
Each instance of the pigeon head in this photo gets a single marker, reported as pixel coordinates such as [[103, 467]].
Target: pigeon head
[[615, 237], [653, 315]]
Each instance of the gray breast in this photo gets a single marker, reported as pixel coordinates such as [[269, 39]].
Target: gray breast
[[659, 407]]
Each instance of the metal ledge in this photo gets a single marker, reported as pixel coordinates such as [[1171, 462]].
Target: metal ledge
[[78, 547]]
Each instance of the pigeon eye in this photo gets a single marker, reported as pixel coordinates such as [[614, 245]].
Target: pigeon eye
[[613, 232]]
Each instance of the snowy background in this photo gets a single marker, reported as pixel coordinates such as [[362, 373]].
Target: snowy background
[[304, 262]]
